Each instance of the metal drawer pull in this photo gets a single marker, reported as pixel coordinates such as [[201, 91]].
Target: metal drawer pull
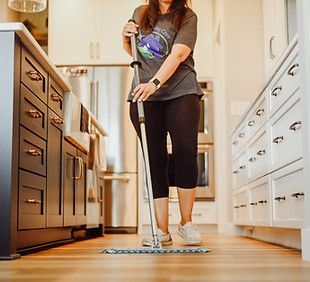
[[261, 152], [100, 200], [271, 54], [235, 143], [236, 207], [252, 160], [295, 126], [242, 134], [293, 70], [242, 167], [124, 179], [235, 171], [297, 195], [35, 113], [33, 201], [280, 198], [197, 214], [262, 202], [278, 140], [276, 91], [34, 75], [242, 206], [253, 204], [56, 97], [251, 123], [80, 168], [34, 153], [57, 120], [260, 112]]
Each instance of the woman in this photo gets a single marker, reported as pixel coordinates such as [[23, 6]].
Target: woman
[[166, 35]]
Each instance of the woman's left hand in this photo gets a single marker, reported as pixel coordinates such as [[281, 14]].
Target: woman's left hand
[[143, 91]]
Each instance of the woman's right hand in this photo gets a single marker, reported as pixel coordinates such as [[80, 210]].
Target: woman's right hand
[[129, 29]]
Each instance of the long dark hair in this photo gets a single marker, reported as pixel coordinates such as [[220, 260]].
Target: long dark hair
[[149, 15]]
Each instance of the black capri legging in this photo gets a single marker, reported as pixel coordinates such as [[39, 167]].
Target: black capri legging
[[179, 117]]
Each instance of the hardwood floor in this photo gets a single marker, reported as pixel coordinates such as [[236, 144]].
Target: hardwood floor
[[231, 259]]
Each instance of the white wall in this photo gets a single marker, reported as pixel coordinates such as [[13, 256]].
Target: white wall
[[7, 14], [239, 74]]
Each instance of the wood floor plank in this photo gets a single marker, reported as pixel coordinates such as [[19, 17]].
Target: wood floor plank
[[231, 259]]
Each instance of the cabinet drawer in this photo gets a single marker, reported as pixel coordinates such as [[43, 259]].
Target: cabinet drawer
[[241, 208], [33, 113], [31, 208], [258, 156], [240, 171], [32, 155], [286, 135], [257, 118], [287, 84], [288, 196], [259, 202], [55, 98], [33, 75]]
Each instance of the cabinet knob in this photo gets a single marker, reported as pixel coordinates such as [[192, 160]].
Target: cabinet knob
[[57, 120], [293, 70], [295, 126], [34, 75], [278, 140], [35, 113], [280, 198], [276, 91], [297, 195], [33, 153]]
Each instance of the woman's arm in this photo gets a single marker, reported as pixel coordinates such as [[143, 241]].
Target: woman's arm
[[179, 53]]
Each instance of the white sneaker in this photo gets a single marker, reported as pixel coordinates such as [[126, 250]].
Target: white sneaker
[[190, 234], [164, 238]]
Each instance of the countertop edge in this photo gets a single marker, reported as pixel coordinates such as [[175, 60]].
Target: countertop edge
[[33, 46], [271, 76]]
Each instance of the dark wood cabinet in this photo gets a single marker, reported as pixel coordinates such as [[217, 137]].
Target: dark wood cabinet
[[55, 171], [75, 185]]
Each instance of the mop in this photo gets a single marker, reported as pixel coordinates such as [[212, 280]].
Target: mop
[[156, 247]]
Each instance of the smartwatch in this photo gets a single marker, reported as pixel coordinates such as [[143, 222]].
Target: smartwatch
[[156, 82]]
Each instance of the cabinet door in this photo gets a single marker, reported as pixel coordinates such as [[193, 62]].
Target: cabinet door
[[69, 183], [54, 172], [81, 189], [108, 45], [72, 24]]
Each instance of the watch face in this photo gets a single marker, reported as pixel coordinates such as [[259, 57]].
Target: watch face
[[156, 81]]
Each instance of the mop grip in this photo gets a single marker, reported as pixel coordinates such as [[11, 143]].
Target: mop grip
[[134, 49]]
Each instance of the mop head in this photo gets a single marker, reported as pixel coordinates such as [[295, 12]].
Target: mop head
[[154, 251]]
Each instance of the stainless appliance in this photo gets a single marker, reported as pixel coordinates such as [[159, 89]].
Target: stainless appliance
[[205, 155], [103, 90]]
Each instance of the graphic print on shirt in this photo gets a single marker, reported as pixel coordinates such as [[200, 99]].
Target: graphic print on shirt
[[155, 44]]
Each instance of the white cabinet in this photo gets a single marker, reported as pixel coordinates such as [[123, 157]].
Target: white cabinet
[[88, 31], [203, 54], [275, 32]]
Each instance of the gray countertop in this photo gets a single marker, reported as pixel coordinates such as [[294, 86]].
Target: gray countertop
[[33, 46]]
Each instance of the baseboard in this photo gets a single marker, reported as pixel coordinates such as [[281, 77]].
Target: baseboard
[[281, 236], [305, 238]]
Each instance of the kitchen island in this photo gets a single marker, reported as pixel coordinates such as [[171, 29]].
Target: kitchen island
[[43, 178]]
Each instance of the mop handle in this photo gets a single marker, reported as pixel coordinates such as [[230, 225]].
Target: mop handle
[[135, 65]]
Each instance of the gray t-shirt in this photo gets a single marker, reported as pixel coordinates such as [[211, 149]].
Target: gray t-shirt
[[153, 49]]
